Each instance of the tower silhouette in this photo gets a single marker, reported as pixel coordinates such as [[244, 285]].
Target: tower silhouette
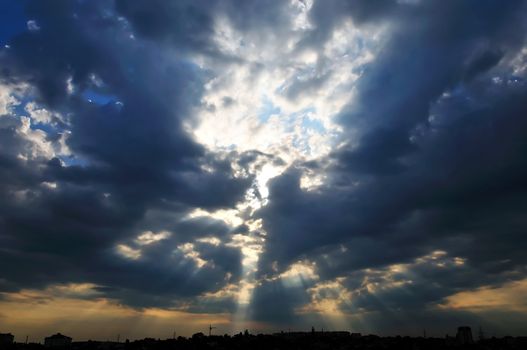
[[464, 335], [481, 334]]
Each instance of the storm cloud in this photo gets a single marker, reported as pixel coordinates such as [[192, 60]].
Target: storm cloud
[[346, 163]]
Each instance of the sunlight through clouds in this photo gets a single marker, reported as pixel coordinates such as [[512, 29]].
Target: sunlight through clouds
[[349, 164]]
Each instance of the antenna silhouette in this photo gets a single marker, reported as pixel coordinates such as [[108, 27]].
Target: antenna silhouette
[[210, 329], [481, 334]]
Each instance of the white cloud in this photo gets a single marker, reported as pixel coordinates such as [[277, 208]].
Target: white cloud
[[190, 253], [215, 241], [40, 115], [281, 100], [32, 25], [128, 252], [149, 237]]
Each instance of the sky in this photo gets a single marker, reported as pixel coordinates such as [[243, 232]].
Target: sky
[[264, 165]]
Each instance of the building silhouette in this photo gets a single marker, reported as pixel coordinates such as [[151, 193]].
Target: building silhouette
[[6, 338], [464, 335], [57, 341], [308, 340], [313, 332]]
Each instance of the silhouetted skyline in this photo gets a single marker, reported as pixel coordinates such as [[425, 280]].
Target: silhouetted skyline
[[284, 340]]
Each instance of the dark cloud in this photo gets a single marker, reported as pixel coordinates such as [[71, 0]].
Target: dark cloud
[[275, 303], [130, 160], [185, 24], [429, 173], [328, 15], [190, 25], [432, 161]]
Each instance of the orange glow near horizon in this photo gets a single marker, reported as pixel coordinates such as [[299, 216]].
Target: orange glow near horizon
[[510, 296], [41, 313]]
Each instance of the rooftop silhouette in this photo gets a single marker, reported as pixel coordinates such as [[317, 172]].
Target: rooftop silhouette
[[312, 339]]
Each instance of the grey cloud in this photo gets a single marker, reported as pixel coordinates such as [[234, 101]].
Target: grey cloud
[[190, 24], [131, 158], [275, 303], [434, 160], [328, 15]]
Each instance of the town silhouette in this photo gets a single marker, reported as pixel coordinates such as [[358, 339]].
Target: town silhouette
[[314, 339]]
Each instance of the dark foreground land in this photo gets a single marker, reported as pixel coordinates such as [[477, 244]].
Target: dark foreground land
[[286, 341]]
